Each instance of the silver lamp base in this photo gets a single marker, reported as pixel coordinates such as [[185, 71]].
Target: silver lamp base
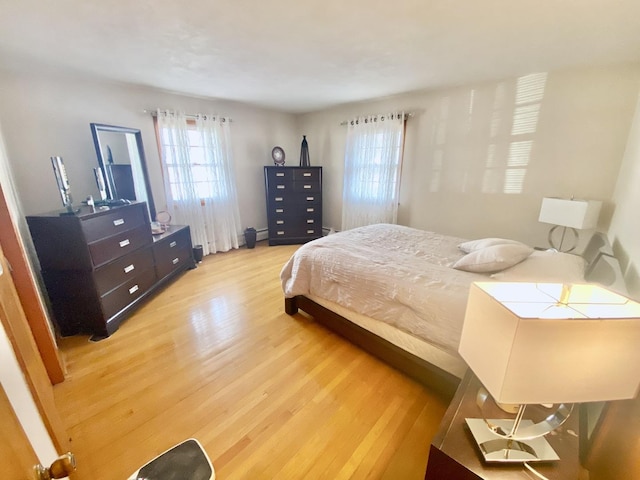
[[555, 245], [498, 449]]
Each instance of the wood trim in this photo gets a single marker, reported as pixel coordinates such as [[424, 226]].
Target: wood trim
[[24, 282], [415, 367]]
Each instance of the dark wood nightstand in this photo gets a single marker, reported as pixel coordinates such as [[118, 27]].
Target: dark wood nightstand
[[455, 455]]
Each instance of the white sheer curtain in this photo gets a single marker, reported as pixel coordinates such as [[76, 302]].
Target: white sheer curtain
[[200, 179], [372, 162]]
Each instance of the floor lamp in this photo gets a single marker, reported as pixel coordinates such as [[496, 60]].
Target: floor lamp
[[569, 214]]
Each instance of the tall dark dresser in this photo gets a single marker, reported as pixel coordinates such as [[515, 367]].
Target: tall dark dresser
[[294, 204], [98, 266]]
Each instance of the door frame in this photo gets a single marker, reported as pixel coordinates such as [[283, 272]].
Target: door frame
[[23, 278]]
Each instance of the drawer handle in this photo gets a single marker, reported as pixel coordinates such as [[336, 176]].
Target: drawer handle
[[278, 199], [173, 244], [133, 289], [311, 231], [310, 221], [118, 222], [124, 243], [279, 210], [310, 199], [307, 186], [279, 174], [311, 209], [280, 187], [175, 260], [129, 268], [280, 232], [280, 222], [307, 174]]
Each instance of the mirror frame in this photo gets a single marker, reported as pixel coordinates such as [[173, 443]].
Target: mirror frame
[[96, 128]]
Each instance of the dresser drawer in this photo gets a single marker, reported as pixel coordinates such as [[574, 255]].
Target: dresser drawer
[[286, 221], [121, 244], [279, 174], [173, 252], [121, 270], [116, 221], [170, 263], [177, 241], [294, 209], [277, 199], [303, 175], [306, 187], [121, 297], [298, 231]]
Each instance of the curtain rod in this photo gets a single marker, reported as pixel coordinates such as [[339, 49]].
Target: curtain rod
[[154, 113], [406, 117]]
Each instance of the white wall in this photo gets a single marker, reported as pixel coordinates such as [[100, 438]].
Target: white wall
[[576, 149], [625, 225], [50, 115], [577, 144]]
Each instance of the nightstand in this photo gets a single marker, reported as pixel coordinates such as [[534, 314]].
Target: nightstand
[[455, 455]]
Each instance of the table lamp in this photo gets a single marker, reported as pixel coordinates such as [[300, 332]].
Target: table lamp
[[546, 343], [568, 213]]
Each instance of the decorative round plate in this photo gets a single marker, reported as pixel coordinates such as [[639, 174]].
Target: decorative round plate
[[163, 217], [278, 156]]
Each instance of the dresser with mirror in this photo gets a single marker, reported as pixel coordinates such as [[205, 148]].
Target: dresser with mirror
[[100, 262]]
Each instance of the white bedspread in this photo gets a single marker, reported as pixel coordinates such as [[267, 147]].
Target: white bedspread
[[391, 273]]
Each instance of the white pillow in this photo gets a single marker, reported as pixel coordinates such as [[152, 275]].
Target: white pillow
[[473, 245], [494, 258], [545, 266]]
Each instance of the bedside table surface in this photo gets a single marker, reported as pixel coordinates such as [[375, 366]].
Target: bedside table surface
[[454, 453]]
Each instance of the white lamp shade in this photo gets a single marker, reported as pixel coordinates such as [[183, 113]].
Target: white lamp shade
[[527, 347], [580, 214]]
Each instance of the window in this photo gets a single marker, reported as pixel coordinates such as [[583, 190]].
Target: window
[[373, 161], [206, 166], [377, 167], [199, 178]]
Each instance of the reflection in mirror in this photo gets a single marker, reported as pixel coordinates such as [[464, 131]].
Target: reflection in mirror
[[123, 165]]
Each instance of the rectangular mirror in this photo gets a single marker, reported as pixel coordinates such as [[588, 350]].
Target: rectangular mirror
[[122, 162]]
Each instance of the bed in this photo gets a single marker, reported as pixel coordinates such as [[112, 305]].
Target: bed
[[400, 293]]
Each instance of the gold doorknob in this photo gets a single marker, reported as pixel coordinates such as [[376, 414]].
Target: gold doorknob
[[61, 467]]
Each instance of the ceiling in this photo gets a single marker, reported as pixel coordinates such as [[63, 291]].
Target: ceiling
[[306, 55]]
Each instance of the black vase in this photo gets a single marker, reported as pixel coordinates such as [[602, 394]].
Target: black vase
[[304, 153], [250, 235], [197, 253]]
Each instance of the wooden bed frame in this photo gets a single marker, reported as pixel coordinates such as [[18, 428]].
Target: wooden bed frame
[[424, 372]]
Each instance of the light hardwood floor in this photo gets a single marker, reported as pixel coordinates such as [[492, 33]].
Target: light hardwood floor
[[214, 357]]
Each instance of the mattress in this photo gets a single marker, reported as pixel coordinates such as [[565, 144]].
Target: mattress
[[398, 283], [393, 274]]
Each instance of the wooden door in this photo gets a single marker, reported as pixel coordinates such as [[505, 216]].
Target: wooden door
[[16, 444], [15, 449]]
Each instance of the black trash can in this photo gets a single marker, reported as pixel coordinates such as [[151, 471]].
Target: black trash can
[[250, 237], [197, 253]]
